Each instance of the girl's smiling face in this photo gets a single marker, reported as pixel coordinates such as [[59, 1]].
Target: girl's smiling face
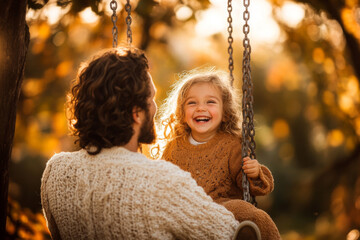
[[203, 110]]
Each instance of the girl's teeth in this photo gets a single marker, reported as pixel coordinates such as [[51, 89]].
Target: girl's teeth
[[202, 119]]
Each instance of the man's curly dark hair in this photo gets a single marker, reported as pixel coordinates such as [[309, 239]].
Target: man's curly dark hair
[[105, 93]]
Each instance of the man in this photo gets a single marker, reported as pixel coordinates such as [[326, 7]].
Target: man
[[108, 190]]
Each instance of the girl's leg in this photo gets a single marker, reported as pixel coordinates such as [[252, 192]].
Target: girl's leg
[[243, 210]]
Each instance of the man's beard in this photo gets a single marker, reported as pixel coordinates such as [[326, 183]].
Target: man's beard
[[147, 130]]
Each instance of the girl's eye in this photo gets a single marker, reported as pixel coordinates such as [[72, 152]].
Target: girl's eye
[[190, 103], [211, 101]]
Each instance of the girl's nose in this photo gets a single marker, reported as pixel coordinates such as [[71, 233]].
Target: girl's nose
[[201, 107]]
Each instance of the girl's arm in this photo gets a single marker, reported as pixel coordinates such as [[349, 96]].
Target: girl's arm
[[262, 185]]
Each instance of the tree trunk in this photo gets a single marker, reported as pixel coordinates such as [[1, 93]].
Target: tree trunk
[[14, 41]]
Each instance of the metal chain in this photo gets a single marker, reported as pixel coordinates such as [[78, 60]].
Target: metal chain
[[128, 22], [248, 131], [113, 6], [230, 41]]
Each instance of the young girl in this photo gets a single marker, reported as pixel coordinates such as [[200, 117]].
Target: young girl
[[202, 128]]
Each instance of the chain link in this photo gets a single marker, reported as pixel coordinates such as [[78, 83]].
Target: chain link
[[230, 41], [113, 7], [128, 22], [248, 130]]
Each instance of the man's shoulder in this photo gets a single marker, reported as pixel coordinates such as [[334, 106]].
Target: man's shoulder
[[61, 157], [165, 167], [116, 159], [122, 158]]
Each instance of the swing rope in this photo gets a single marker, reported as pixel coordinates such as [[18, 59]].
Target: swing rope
[[113, 7], [248, 131], [128, 20], [230, 41]]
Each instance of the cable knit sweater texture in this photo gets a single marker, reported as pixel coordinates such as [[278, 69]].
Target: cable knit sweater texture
[[119, 194], [216, 166]]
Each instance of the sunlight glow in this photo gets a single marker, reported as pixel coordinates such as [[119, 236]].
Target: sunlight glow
[[88, 16], [353, 235], [53, 13], [30, 14], [50, 12], [183, 13], [291, 14], [209, 22], [263, 28]]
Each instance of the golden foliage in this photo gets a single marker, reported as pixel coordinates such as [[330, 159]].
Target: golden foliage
[[21, 223], [281, 128]]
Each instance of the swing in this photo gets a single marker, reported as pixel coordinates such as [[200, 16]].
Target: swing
[[113, 7], [248, 131]]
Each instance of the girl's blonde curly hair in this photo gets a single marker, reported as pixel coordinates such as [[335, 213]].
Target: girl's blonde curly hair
[[171, 115]]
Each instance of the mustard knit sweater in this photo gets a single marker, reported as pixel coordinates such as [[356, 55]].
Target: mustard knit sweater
[[119, 194], [216, 166]]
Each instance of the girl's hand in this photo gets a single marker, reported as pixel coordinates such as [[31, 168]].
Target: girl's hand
[[251, 167]]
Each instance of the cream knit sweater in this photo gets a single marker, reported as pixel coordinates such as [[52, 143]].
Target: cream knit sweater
[[119, 194]]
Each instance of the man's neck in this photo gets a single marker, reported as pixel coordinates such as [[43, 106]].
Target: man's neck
[[133, 144]]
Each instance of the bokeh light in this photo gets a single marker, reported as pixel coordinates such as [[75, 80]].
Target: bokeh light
[[183, 12], [88, 16], [291, 13]]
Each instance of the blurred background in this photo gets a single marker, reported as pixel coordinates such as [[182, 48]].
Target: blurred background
[[306, 95]]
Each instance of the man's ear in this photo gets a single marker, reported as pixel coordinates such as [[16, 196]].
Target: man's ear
[[136, 115]]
